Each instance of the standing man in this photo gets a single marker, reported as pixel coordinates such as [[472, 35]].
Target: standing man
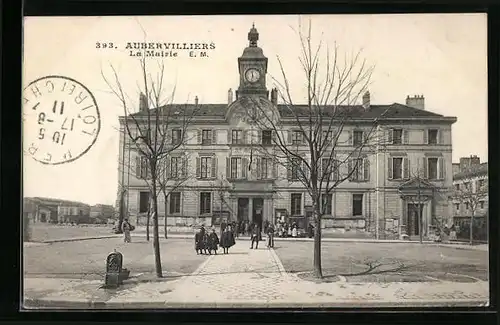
[[255, 236], [270, 236]]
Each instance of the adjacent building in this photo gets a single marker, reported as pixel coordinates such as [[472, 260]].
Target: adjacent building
[[48, 210], [470, 184], [407, 176], [102, 213]]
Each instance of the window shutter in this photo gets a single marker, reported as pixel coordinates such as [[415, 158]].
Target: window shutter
[[244, 136], [440, 168], [303, 136], [229, 136], [259, 137], [425, 167], [405, 137], [305, 171], [389, 167], [214, 136], [244, 167], [390, 138], [138, 166], [406, 168], [198, 167], [214, 167], [351, 137], [275, 169], [289, 132], [184, 166], [289, 170], [426, 136], [440, 137], [273, 135], [228, 168], [366, 171], [199, 136], [349, 169], [166, 172], [259, 167]]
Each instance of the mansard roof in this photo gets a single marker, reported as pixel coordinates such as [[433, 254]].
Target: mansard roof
[[394, 110]]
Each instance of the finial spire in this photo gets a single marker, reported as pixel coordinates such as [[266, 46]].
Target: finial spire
[[253, 36]]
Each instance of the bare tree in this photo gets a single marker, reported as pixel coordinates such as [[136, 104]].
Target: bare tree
[[471, 195], [310, 146], [151, 133], [220, 188]]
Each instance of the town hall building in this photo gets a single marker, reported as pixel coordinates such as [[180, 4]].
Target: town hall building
[[408, 176]]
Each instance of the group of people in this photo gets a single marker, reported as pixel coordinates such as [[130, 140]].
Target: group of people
[[207, 243]]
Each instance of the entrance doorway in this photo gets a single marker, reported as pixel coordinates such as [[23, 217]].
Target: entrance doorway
[[243, 209], [415, 212], [258, 207]]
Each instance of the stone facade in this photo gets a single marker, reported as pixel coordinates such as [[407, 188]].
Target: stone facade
[[417, 143]]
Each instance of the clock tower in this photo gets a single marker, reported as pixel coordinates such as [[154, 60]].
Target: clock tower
[[252, 66]]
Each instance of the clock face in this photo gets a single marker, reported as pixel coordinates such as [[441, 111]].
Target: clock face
[[252, 75]]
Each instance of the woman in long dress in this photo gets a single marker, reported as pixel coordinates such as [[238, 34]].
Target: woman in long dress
[[227, 240]]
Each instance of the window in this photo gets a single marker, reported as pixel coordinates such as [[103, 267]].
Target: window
[[357, 139], [175, 167], [357, 204], [432, 165], [297, 137], [206, 163], [397, 168], [357, 165], [457, 206], [175, 202], [205, 202], [144, 169], [295, 169], [296, 207], [481, 204], [466, 205], [480, 185], [267, 137], [235, 167], [327, 136], [432, 136], [236, 137], [143, 202], [265, 166], [397, 136], [457, 187], [206, 137], [326, 201], [176, 136]]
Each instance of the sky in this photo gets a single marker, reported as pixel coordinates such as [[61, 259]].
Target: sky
[[440, 56]]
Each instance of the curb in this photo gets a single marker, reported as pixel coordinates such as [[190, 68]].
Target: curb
[[331, 240], [33, 304]]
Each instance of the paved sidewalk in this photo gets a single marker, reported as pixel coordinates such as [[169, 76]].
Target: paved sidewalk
[[250, 279], [481, 247]]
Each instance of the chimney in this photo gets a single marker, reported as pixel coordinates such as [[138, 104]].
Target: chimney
[[417, 101], [196, 100], [274, 96], [366, 100], [143, 103], [229, 96]]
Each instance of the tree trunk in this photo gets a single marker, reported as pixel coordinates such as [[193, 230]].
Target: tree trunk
[[421, 223], [471, 238], [121, 212], [317, 245], [165, 225], [147, 224], [156, 237]]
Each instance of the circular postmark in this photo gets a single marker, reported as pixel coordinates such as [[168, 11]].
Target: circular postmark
[[61, 120]]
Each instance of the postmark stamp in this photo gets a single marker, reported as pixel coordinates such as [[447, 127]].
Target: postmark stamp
[[61, 120]]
